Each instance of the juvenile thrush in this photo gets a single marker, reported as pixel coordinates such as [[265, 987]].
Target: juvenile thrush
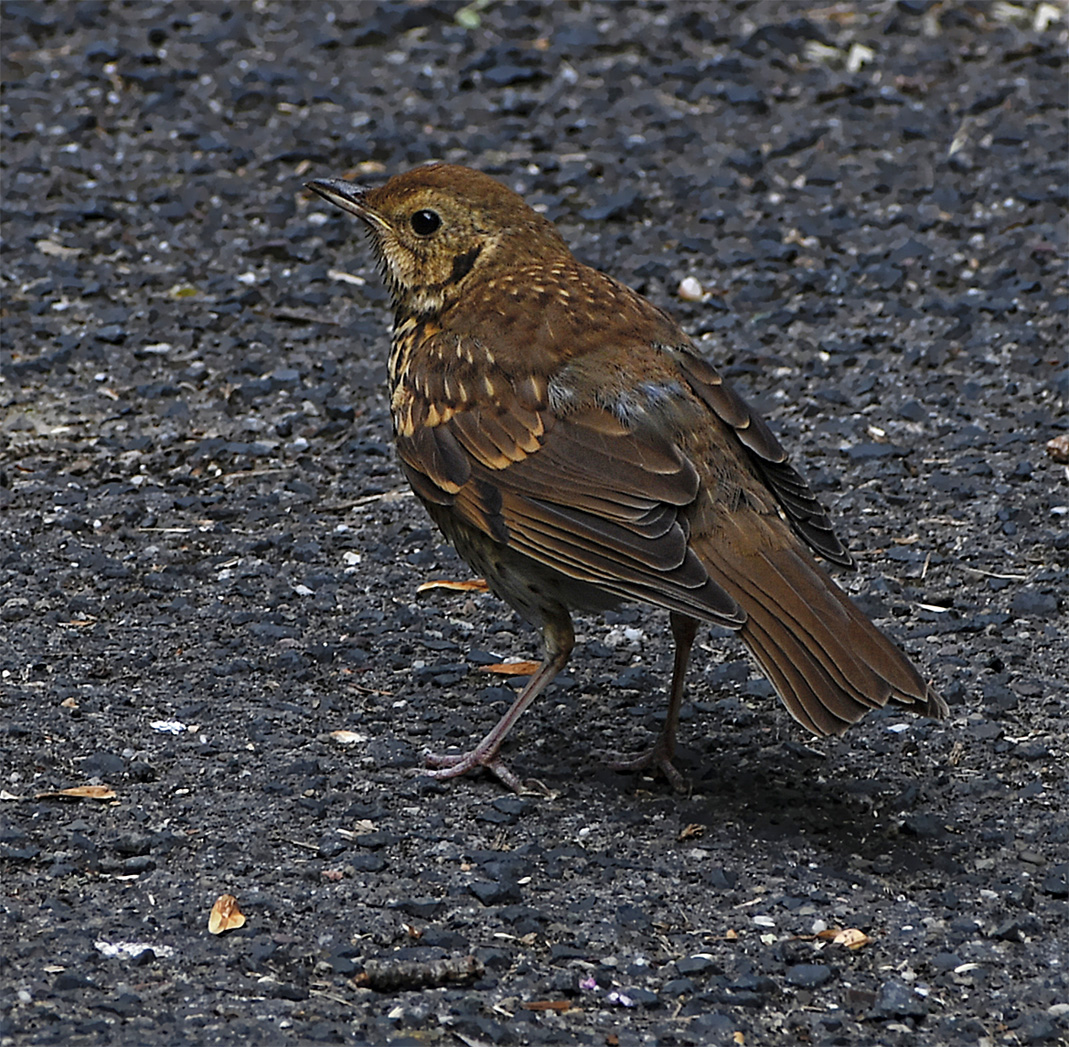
[[569, 441]]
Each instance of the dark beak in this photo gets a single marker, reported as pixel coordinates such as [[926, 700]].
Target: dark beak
[[346, 195]]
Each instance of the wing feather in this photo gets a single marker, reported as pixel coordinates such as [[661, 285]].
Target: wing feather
[[803, 511]]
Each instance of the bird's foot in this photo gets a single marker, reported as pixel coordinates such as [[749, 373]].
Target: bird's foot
[[453, 765], [657, 758]]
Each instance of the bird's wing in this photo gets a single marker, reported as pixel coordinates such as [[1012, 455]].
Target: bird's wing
[[592, 499], [800, 506]]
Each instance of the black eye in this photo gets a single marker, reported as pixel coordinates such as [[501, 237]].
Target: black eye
[[425, 222]]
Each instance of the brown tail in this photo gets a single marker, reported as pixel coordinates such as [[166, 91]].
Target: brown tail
[[828, 662]]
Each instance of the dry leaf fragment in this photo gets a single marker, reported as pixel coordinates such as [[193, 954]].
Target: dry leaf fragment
[[225, 915], [688, 831], [738, 1037], [80, 792], [1058, 449], [732, 936], [852, 938], [474, 585], [511, 668], [347, 737]]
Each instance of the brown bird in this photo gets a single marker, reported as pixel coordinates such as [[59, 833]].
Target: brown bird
[[569, 441]]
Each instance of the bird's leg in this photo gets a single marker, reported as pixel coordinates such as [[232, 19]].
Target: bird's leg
[[659, 757], [558, 639]]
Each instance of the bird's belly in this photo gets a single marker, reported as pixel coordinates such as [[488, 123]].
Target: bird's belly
[[535, 591]]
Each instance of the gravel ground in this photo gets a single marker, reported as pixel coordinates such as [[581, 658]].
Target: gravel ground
[[209, 561]]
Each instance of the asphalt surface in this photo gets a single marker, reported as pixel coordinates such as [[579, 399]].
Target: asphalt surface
[[209, 560]]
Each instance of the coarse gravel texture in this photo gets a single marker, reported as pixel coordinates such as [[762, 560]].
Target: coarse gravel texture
[[209, 560]]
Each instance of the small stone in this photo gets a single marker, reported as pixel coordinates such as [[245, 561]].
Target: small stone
[[370, 863], [1056, 882], [15, 609], [1037, 1028], [697, 964], [421, 908], [946, 961], [140, 863], [677, 986], [897, 1000], [496, 893], [690, 290], [331, 846], [612, 207], [864, 451], [104, 765], [1017, 929], [71, 980], [808, 975], [1027, 602]]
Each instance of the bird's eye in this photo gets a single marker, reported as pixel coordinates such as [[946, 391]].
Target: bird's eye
[[425, 222]]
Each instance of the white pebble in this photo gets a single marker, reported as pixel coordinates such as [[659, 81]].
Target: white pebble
[[690, 290]]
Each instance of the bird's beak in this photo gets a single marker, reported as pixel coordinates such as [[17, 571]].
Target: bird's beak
[[346, 195]]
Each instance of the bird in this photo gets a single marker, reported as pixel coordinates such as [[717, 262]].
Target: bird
[[575, 448]]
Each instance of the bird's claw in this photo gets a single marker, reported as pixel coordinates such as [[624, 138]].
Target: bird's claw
[[453, 765], [657, 758]]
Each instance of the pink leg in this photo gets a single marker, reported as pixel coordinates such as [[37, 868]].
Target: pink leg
[[659, 757], [558, 638]]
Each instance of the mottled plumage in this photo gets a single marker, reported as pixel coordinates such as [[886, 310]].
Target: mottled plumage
[[568, 440]]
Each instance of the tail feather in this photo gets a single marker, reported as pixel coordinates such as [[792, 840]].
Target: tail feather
[[827, 661], [802, 702]]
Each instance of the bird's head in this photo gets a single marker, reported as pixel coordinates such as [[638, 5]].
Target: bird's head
[[439, 229]]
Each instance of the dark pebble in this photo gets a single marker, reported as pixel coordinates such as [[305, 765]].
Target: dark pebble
[[133, 843], [69, 981], [343, 961], [946, 961], [808, 975], [897, 1000], [697, 965], [135, 866], [376, 839], [722, 879], [633, 916], [495, 892], [715, 1028], [103, 765], [1017, 929], [677, 987], [867, 451], [1032, 602], [421, 908], [643, 997], [1056, 881], [371, 863], [331, 847], [1038, 1028]]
